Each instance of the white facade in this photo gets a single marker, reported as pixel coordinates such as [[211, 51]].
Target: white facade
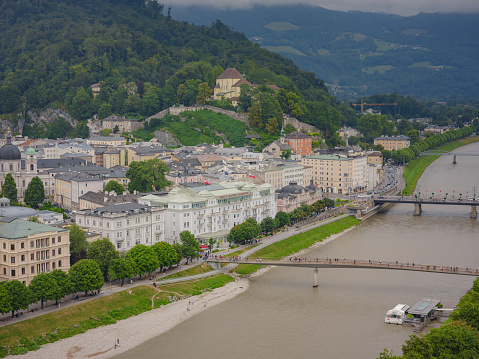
[[125, 224], [212, 211]]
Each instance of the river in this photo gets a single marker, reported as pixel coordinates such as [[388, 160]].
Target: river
[[282, 316]]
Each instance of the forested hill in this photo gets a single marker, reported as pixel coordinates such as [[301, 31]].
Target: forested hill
[[52, 51], [428, 56]]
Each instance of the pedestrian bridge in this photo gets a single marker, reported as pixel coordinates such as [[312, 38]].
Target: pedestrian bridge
[[419, 201], [303, 262], [446, 153]]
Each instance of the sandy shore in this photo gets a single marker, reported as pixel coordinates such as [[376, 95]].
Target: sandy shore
[[98, 343]]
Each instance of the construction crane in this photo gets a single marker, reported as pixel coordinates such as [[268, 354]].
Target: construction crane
[[362, 104]]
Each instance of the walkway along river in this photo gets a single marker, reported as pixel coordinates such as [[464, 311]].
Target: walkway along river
[[282, 316]]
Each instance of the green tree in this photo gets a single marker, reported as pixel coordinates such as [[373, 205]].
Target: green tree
[[85, 276], [148, 176], [211, 243], [179, 252], [145, 259], [272, 126], [166, 254], [190, 246], [103, 252], [245, 100], [116, 129], [283, 218], [204, 92], [78, 244], [268, 225], [5, 300], [9, 189], [35, 192], [63, 282], [33, 219], [286, 154], [113, 185], [289, 128], [104, 111], [82, 105], [123, 268], [20, 294], [43, 287], [82, 130], [255, 116], [413, 136]]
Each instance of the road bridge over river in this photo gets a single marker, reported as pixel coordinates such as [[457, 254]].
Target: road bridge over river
[[335, 263], [419, 201]]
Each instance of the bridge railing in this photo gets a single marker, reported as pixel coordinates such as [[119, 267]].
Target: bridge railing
[[347, 262]]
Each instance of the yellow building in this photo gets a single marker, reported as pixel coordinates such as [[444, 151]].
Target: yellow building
[[375, 157], [393, 143], [29, 248]]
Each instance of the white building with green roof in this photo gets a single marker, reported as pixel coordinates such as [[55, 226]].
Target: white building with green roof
[[211, 211]]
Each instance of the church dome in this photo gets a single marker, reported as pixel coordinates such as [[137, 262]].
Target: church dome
[[30, 151], [10, 151]]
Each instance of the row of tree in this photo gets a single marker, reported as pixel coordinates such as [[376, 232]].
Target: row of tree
[[405, 155], [245, 232], [34, 194], [84, 276]]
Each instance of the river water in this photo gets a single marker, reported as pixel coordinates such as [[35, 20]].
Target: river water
[[282, 316]]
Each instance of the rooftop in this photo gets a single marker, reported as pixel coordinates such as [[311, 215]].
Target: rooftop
[[12, 228]]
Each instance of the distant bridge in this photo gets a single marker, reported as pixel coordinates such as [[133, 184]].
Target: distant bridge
[[302, 262], [419, 201], [445, 153]]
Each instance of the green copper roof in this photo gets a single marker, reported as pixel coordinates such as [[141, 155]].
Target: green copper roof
[[20, 228]]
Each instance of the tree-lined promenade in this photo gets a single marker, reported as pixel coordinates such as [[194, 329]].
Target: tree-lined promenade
[[415, 168]]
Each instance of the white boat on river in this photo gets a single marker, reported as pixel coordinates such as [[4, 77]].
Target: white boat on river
[[397, 314]]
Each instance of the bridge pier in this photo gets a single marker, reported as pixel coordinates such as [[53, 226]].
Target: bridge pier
[[315, 283], [417, 209], [454, 160], [473, 212]]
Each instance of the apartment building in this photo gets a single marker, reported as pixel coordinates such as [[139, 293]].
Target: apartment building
[[125, 224], [211, 211], [70, 186], [29, 248], [393, 143], [338, 173]]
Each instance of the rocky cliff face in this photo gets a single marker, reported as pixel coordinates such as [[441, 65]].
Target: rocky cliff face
[[16, 123]]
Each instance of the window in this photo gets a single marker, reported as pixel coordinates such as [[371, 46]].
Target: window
[[59, 251], [53, 265], [118, 245], [53, 253], [22, 245], [23, 258], [137, 241], [59, 264], [12, 259], [13, 273], [32, 257], [23, 270], [59, 239], [32, 269], [12, 247], [118, 224]]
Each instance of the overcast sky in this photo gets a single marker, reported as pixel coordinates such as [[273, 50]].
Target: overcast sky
[[401, 7]]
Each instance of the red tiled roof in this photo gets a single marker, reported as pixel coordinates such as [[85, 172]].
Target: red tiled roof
[[230, 73], [242, 82]]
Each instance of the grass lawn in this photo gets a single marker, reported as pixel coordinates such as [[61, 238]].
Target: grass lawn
[[30, 334], [298, 242], [202, 268], [415, 168]]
